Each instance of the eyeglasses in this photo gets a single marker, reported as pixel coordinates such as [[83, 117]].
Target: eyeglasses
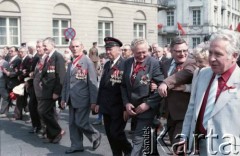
[[180, 51]]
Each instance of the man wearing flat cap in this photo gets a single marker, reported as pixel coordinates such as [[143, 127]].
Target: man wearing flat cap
[[109, 101]]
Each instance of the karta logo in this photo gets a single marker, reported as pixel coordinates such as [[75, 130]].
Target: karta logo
[[226, 144]]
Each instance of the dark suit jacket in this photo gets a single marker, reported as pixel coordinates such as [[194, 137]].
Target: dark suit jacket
[[177, 101], [33, 63], [12, 79], [52, 76], [24, 65], [109, 95], [138, 92]]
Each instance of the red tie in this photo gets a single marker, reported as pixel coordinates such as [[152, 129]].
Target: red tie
[[135, 70]]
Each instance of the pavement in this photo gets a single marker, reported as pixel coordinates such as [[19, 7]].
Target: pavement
[[16, 141]]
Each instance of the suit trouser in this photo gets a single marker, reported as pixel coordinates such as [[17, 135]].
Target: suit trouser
[[46, 112], [114, 127], [138, 135], [4, 96], [79, 125], [174, 128], [20, 105], [33, 105]]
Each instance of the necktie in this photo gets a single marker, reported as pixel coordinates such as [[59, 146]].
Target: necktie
[[135, 71], [210, 101]]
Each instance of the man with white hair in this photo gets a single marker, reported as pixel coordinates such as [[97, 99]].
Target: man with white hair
[[51, 80], [22, 73], [215, 99], [3, 91]]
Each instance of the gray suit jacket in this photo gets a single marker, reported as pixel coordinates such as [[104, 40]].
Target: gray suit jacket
[[3, 64], [224, 119], [138, 92], [82, 92]]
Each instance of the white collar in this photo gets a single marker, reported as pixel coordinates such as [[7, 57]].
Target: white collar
[[24, 58], [34, 53], [115, 61], [13, 58], [51, 53]]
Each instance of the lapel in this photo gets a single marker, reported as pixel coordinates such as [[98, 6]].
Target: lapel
[[141, 73], [111, 70], [48, 63], [166, 67], [201, 88], [225, 97]]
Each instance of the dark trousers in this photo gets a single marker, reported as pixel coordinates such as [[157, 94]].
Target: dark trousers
[[46, 112], [174, 128], [4, 96], [114, 127], [33, 108], [21, 103]]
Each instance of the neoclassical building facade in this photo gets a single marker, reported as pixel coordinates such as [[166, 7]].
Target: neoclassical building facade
[[197, 17], [30, 20]]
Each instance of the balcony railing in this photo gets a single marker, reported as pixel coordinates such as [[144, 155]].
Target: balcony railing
[[167, 3]]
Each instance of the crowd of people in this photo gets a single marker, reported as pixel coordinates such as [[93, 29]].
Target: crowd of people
[[195, 92]]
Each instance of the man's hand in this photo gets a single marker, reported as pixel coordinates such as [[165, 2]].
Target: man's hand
[[63, 104], [96, 109], [130, 109], [142, 108], [162, 90], [6, 72], [125, 116], [153, 86], [55, 96], [93, 105]]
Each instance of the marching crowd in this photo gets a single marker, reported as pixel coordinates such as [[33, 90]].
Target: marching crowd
[[195, 92]]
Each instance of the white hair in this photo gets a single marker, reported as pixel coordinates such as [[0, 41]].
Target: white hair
[[230, 36]]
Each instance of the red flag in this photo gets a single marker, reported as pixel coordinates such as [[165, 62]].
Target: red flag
[[181, 28], [160, 26], [238, 27], [230, 27]]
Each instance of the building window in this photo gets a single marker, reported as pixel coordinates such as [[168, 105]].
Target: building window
[[139, 30], [196, 41], [169, 40], [196, 17], [139, 1], [170, 18], [9, 31], [59, 26], [104, 30]]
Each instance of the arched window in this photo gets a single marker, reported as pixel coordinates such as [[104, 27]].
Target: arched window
[[139, 26], [105, 24], [9, 23], [61, 21]]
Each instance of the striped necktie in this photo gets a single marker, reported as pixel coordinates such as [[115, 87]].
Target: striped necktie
[[210, 101]]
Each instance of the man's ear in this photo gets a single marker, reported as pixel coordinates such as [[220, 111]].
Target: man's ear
[[235, 55]]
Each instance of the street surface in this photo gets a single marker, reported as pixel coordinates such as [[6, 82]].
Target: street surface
[[16, 141]]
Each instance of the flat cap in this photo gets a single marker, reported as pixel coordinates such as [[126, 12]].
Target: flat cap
[[112, 42]]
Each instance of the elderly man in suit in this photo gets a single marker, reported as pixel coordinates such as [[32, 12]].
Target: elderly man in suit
[[3, 91], [139, 100], [12, 71], [80, 93], [215, 99], [177, 71], [51, 80], [35, 119], [110, 100], [22, 73]]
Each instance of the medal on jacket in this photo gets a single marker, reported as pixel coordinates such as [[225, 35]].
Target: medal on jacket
[[145, 79], [116, 76], [51, 69], [81, 74]]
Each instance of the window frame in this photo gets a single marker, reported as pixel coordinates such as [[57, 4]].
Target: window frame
[[170, 17], [137, 31], [60, 36], [103, 30], [8, 34], [196, 41], [196, 21]]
